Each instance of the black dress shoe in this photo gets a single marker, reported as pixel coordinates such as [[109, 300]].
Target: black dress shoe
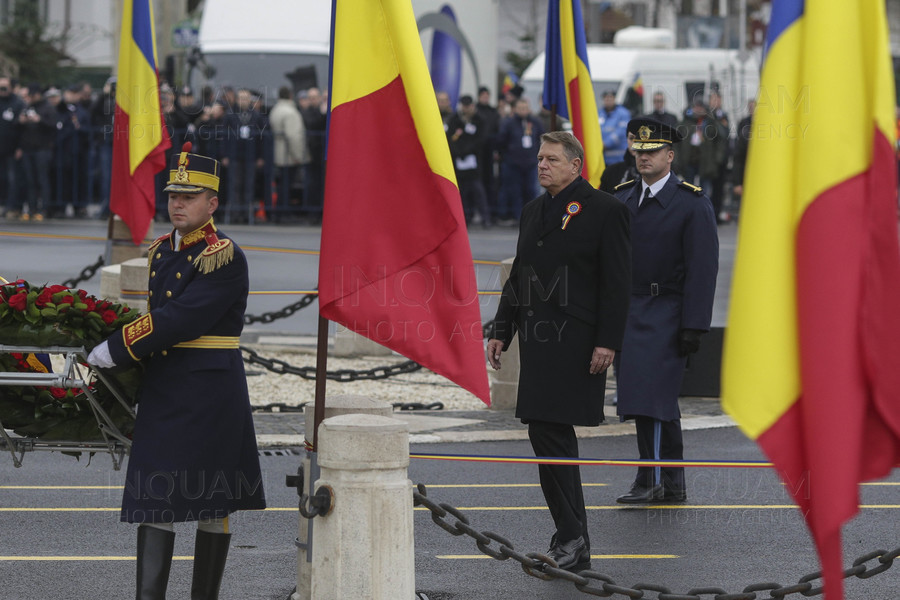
[[674, 495], [573, 555], [642, 495]]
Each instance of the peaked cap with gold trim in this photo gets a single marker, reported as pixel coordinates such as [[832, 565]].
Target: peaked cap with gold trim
[[650, 134], [192, 173]]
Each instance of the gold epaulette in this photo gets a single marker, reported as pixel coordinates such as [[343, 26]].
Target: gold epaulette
[[217, 253], [157, 242], [624, 185], [692, 187]]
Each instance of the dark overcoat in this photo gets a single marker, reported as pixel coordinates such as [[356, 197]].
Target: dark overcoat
[[675, 259], [567, 293], [194, 454]]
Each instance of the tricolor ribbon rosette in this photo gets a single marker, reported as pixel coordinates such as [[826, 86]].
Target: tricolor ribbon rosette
[[572, 209]]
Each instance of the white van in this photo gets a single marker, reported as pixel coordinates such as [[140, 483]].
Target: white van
[[286, 43], [680, 73]]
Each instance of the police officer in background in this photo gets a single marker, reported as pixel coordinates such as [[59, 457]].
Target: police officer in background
[[194, 456], [567, 299], [675, 259]]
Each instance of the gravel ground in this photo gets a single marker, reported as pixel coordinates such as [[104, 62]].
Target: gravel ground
[[422, 386]]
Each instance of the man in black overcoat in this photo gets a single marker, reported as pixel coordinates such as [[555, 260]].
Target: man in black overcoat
[[675, 258], [567, 299]]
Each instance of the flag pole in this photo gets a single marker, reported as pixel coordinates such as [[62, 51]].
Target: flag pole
[[321, 369]]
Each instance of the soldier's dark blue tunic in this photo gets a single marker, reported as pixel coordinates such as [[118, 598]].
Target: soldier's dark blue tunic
[[675, 258], [194, 454]]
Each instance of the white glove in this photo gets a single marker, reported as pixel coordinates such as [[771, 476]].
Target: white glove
[[100, 357]]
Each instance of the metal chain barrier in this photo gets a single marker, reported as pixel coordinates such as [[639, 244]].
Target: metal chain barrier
[[282, 368], [595, 583], [86, 273], [287, 311], [279, 407]]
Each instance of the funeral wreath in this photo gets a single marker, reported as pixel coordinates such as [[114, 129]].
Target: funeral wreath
[[54, 315]]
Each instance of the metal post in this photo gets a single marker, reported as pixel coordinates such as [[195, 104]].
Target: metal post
[[321, 370]]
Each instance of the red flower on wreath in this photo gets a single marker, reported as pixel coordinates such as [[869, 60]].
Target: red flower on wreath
[[109, 316], [89, 302], [55, 289], [42, 300], [67, 300], [18, 301], [59, 392]]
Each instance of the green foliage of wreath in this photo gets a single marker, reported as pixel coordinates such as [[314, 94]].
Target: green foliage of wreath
[[54, 315]]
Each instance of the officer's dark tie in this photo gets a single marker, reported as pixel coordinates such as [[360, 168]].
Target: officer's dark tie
[[646, 197]]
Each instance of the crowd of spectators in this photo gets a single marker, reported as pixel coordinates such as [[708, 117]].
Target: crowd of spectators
[[56, 149]]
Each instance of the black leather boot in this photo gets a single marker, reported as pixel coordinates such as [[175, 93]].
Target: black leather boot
[[210, 553], [154, 558]]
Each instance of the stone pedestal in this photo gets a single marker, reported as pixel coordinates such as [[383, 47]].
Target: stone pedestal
[[365, 546], [505, 382], [348, 343], [122, 247], [334, 406], [133, 284], [110, 289]]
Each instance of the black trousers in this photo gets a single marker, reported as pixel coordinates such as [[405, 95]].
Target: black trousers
[[561, 484], [660, 440]]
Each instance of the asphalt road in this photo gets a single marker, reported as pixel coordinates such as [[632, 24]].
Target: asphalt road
[[60, 536], [281, 258]]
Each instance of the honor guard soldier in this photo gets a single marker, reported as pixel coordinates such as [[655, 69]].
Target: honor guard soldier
[[567, 299], [194, 455], [675, 258]]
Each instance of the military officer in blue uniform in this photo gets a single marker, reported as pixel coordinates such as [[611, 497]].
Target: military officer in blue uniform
[[194, 455], [675, 258]]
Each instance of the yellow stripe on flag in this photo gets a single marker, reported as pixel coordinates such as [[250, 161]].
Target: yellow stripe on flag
[[137, 93], [378, 38]]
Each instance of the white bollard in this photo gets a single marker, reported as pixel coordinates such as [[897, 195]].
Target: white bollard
[[505, 382], [339, 404], [364, 548]]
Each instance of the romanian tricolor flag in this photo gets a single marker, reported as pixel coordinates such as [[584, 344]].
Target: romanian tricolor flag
[[139, 138], [509, 82], [638, 85], [567, 82], [813, 340], [395, 263]]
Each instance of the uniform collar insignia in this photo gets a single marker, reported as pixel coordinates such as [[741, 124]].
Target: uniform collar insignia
[[196, 236]]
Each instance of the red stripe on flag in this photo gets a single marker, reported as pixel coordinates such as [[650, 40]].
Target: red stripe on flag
[[133, 197], [395, 263], [845, 428]]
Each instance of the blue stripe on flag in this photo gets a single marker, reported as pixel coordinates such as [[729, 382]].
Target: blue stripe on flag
[[784, 14], [142, 30]]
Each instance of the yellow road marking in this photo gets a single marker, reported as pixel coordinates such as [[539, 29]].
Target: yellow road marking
[[55, 558], [104, 509], [593, 556], [497, 508], [54, 236], [499, 485], [429, 486], [61, 487]]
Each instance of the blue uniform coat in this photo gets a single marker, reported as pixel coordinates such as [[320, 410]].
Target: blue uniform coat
[[194, 454], [675, 251], [567, 293]]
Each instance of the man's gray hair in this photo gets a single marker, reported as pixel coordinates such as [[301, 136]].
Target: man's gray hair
[[572, 148]]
